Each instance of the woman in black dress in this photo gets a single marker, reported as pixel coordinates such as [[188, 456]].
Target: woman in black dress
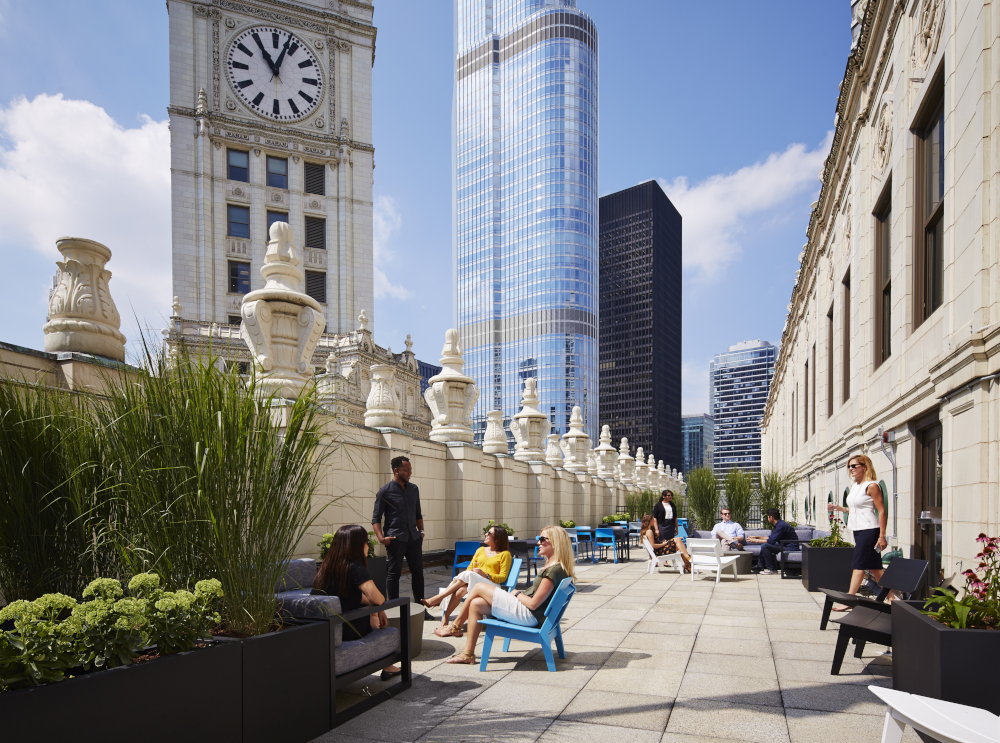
[[344, 573], [666, 516]]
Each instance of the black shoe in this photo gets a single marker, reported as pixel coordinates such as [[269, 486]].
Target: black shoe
[[386, 675]]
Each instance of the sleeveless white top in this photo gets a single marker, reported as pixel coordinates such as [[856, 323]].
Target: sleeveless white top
[[862, 508]]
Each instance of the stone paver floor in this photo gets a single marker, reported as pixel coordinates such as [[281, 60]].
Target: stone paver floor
[[649, 659]]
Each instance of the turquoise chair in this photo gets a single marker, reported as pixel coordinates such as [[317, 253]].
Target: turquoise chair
[[544, 635], [515, 570], [682, 531], [584, 538], [604, 539], [463, 550]]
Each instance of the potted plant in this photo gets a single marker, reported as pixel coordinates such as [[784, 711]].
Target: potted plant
[[567, 524], [948, 647], [826, 562]]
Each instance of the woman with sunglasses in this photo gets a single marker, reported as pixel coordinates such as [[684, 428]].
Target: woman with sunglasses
[[527, 607], [867, 519]]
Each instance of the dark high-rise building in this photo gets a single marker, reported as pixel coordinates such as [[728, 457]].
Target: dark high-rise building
[[698, 440], [640, 322]]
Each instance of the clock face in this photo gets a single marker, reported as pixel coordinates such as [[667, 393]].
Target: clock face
[[274, 73]]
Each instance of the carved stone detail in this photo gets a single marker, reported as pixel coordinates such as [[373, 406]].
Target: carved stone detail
[[607, 455], [575, 443], [494, 440], [927, 37], [530, 426], [553, 452], [625, 463], [82, 315], [883, 137], [640, 478], [451, 395], [383, 408]]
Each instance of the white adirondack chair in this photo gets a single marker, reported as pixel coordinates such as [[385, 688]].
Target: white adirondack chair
[[707, 556], [656, 560], [944, 721]]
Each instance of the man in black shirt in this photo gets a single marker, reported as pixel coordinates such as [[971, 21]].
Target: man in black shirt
[[399, 503], [770, 548]]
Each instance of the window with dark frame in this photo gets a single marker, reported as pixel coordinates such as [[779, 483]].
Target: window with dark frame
[[829, 363], [928, 209], [238, 165], [277, 172], [315, 178], [846, 313], [316, 285], [814, 388], [239, 277], [238, 218], [273, 217], [805, 399], [316, 233], [883, 281], [235, 320]]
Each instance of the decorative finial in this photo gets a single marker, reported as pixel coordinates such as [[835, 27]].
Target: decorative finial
[[332, 364], [363, 322], [176, 307], [202, 107], [409, 343]]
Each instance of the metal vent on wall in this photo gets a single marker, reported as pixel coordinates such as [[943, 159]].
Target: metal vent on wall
[[315, 233], [315, 179], [316, 285]]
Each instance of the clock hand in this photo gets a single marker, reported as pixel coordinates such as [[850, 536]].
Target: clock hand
[[277, 64], [267, 57]]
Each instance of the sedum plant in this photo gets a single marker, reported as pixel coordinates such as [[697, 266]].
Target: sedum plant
[[177, 620], [41, 647], [109, 627]]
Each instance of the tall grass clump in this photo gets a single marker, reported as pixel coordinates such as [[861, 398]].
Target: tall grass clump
[[639, 504], [773, 491], [739, 487], [703, 496], [54, 485], [212, 482]]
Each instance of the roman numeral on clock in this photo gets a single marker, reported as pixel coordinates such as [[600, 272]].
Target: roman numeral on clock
[[295, 108]]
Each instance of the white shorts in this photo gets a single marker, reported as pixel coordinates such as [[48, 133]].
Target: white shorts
[[508, 609], [471, 578]]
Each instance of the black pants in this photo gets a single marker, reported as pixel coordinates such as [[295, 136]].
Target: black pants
[[769, 554], [414, 554]]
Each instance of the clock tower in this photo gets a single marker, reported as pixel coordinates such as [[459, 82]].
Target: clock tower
[[270, 120]]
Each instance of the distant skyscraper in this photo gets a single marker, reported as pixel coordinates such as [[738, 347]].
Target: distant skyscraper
[[525, 210], [426, 372], [740, 380], [698, 437], [640, 358]]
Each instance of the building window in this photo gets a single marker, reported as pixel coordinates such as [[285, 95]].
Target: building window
[[239, 221], [239, 277], [238, 165], [316, 285], [316, 233], [273, 217], [277, 172], [883, 282], [315, 178], [929, 211], [846, 312], [805, 398], [814, 388], [829, 363], [236, 319]]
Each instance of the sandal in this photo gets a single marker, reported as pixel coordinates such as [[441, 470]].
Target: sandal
[[463, 659], [427, 604], [452, 630]]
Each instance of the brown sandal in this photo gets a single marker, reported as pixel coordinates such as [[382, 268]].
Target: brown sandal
[[462, 659], [452, 630]]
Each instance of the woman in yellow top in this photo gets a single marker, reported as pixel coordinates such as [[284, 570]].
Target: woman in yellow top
[[490, 564]]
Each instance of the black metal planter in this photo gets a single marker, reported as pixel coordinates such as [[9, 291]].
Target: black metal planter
[[826, 567], [177, 697], [378, 569], [286, 684], [954, 665]]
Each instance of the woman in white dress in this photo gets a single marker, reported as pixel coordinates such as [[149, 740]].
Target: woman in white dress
[[867, 518]]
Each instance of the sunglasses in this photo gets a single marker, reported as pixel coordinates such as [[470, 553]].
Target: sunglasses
[[854, 466], [541, 540]]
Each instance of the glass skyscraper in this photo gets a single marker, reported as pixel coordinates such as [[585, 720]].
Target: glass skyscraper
[[526, 206], [740, 380], [698, 441]]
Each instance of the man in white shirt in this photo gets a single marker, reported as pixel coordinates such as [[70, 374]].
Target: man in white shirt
[[729, 532]]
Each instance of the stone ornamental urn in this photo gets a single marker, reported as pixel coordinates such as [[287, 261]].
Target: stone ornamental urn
[[281, 324], [592, 462], [651, 474], [82, 315], [625, 463], [530, 426], [575, 443], [553, 453], [495, 440], [383, 409], [607, 455], [451, 395], [640, 478]]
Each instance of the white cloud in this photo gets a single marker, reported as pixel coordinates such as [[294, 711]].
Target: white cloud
[[385, 221], [694, 389], [716, 210], [67, 168]]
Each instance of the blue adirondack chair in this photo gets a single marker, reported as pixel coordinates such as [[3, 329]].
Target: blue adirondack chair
[[515, 570], [682, 531], [463, 550], [544, 635]]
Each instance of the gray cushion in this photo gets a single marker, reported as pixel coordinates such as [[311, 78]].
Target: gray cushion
[[753, 549], [298, 574], [300, 605], [820, 534], [356, 653], [804, 533], [758, 532], [701, 534], [795, 556]]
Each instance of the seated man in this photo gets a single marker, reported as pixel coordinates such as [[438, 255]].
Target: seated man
[[729, 532], [771, 546]]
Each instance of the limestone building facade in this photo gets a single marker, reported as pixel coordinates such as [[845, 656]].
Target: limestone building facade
[[894, 319], [271, 120]]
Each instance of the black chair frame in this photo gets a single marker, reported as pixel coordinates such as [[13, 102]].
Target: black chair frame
[[909, 584], [869, 621], [786, 548]]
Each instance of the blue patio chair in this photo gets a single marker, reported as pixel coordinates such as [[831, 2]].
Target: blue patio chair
[[463, 550], [544, 635], [603, 539], [682, 531], [585, 538], [575, 541], [515, 570]]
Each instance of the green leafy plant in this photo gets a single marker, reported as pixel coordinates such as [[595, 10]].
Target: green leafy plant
[[109, 627], [491, 524], [739, 487], [176, 620], [834, 540], [703, 496], [979, 608], [567, 524], [41, 647], [614, 518], [327, 540], [772, 491], [372, 543], [639, 504]]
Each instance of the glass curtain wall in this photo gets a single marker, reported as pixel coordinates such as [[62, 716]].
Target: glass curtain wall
[[526, 205]]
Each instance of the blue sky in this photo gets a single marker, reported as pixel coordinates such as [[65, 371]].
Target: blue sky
[[728, 104]]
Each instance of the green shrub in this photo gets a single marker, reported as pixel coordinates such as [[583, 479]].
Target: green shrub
[[109, 627], [327, 540], [615, 517], [834, 540], [739, 495], [491, 524], [703, 497], [42, 646], [773, 492], [567, 524]]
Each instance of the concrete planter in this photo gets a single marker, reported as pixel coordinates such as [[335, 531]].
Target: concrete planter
[[826, 567], [954, 665]]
